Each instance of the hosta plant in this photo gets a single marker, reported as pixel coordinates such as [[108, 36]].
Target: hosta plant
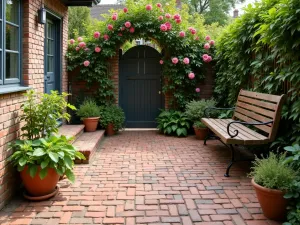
[[173, 123], [55, 152]]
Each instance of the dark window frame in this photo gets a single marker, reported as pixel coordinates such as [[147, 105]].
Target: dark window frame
[[11, 82]]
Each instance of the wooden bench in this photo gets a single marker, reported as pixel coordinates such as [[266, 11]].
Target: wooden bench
[[262, 111]]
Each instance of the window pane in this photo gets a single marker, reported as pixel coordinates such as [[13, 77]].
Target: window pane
[[12, 11], [12, 65], [50, 47], [12, 37], [1, 69], [50, 30], [1, 38], [50, 66]]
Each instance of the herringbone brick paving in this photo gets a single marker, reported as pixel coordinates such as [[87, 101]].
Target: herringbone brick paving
[[147, 178]]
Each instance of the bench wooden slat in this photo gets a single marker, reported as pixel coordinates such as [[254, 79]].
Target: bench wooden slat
[[264, 128], [267, 105], [267, 97], [253, 115], [256, 109], [245, 136]]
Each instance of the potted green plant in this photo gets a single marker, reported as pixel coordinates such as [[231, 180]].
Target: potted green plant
[[112, 118], [42, 161], [271, 179], [195, 111], [41, 157], [89, 113]]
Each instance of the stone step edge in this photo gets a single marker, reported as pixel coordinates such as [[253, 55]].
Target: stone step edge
[[76, 134], [89, 153]]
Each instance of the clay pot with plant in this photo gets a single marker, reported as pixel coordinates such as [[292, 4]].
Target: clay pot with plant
[[89, 113], [112, 119], [41, 157], [195, 111], [271, 179]]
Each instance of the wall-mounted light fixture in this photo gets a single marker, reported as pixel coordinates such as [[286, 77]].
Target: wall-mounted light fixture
[[42, 15]]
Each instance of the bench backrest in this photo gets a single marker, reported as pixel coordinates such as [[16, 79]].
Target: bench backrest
[[258, 107]]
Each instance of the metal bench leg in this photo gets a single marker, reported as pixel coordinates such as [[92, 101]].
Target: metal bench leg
[[231, 162], [207, 137]]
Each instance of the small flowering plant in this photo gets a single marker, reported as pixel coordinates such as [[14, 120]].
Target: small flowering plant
[[188, 51]]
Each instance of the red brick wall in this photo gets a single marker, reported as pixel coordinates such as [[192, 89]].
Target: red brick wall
[[33, 76]]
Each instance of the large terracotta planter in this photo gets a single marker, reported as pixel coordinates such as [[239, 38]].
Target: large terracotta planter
[[201, 133], [110, 129], [272, 202], [37, 187], [91, 124]]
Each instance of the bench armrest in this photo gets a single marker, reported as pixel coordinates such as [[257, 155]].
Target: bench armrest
[[214, 108], [236, 132]]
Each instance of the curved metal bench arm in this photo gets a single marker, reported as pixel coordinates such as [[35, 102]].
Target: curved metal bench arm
[[236, 132], [214, 108]]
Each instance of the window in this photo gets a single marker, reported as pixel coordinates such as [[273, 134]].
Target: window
[[10, 44]]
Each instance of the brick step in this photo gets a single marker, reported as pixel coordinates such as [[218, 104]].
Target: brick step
[[71, 131], [88, 144]]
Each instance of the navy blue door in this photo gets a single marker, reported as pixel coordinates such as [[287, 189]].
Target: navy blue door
[[140, 86]]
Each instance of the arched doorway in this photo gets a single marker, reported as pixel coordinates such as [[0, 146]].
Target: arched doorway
[[140, 91]]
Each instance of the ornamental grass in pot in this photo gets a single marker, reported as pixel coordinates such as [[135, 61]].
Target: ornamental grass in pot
[[89, 113], [41, 157], [112, 119], [271, 179], [195, 111]]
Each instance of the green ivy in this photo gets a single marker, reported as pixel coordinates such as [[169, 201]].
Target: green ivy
[[146, 25], [260, 52]]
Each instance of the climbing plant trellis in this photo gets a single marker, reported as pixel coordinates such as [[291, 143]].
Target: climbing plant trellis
[[185, 49]]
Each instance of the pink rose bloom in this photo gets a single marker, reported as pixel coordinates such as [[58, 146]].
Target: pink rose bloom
[[169, 25], [209, 59], [207, 38], [127, 24], [96, 34], [110, 27], [86, 63], [212, 42], [79, 39], [131, 30], [181, 34], [177, 17], [207, 46], [186, 61], [178, 21], [82, 44], [161, 62], [193, 31], [168, 16], [197, 90], [122, 28], [191, 76], [148, 7], [77, 48], [106, 37], [163, 27], [158, 5], [97, 49], [72, 41], [205, 57], [120, 34], [86, 49], [197, 38], [125, 10], [160, 18], [175, 60], [114, 16]]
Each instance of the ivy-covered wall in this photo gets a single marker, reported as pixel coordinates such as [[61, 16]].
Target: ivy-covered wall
[[260, 51]]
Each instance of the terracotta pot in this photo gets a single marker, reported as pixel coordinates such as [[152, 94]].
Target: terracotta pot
[[91, 124], [272, 202], [201, 133], [37, 187], [110, 129]]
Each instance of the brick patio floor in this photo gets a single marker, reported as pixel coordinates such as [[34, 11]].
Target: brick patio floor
[[147, 178]]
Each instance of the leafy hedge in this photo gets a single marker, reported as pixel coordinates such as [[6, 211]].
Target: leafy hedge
[[184, 38], [260, 51]]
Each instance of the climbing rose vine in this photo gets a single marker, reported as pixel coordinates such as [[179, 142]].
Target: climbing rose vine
[[186, 51]]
